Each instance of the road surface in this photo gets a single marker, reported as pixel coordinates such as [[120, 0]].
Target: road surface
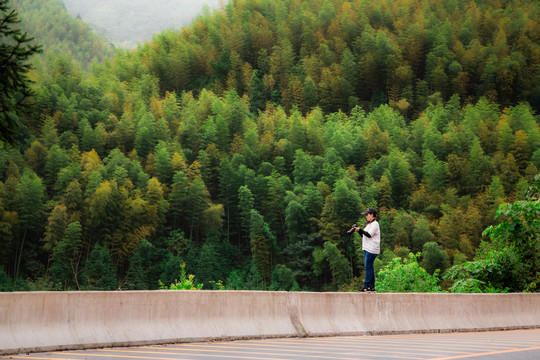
[[507, 345]]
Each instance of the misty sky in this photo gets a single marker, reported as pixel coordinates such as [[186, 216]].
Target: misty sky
[[128, 22]]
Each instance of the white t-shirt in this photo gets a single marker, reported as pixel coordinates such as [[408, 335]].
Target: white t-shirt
[[372, 244]]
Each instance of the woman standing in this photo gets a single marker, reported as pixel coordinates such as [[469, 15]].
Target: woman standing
[[371, 245]]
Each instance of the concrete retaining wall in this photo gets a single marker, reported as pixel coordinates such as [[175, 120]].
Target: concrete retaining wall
[[46, 321]]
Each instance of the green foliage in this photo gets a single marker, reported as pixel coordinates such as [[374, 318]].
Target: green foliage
[[15, 52], [246, 279], [434, 258], [185, 282], [99, 272], [496, 271], [405, 275], [147, 264], [66, 256], [6, 282], [509, 261], [246, 145], [283, 279], [339, 266]]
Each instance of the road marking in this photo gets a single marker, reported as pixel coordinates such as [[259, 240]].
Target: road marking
[[429, 346], [131, 357], [426, 339], [428, 343], [359, 346], [486, 353], [179, 352], [305, 351], [38, 358]]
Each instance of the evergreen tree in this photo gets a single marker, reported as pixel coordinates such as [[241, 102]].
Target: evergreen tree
[[283, 279], [163, 163], [245, 205], [15, 51], [99, 272], [261, 243], [66, 256], [435, 172], [56, 226], [481, 167], [420, 235], [348, 200], [433, 257], [339, 265], [256, 91], [296, 220], [303, 168], [30, 200]]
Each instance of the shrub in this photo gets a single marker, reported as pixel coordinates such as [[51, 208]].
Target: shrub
[[405, 275]]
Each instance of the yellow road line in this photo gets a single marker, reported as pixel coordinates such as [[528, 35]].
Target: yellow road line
[[179, 352], [340, 353], [132, 357], [427, 343], [362, 347], [38, 358], [486, 353]]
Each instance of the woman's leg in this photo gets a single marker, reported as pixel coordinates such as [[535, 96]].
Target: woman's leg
[[369, 280]]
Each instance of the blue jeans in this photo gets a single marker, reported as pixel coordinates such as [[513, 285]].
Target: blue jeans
[[369, 280]]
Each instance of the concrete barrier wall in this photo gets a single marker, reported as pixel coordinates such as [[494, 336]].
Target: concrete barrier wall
[[323, 314], [47, 321]]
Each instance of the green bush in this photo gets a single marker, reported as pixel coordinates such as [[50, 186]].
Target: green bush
[[405, 275], [185, 283]]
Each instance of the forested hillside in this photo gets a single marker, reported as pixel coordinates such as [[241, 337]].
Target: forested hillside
[[129, 22], [248, 143], [60, 33]]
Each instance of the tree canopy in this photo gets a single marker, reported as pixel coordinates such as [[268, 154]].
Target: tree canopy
[[242, 148]]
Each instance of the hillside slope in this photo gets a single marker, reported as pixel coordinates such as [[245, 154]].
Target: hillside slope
[[243, 147], [130, 22]]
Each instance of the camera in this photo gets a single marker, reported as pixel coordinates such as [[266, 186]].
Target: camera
[[352, 229]]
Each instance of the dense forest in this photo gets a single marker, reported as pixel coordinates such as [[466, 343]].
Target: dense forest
[[245, 145]]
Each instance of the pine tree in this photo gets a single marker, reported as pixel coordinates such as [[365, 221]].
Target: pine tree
[[15, 51]]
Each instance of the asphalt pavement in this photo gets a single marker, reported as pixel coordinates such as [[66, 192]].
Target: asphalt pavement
[[499, 345]]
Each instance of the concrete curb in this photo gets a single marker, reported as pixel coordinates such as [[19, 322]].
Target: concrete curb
[[49, 321]]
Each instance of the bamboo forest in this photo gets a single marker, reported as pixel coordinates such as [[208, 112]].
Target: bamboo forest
[[236, 152]]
